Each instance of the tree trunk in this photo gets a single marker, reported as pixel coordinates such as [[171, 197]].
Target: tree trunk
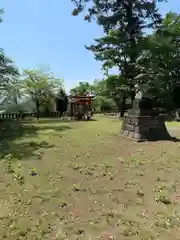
[[37, 109], [132, 95], [123, 107], [15, 100], [131, 29], [61, 113]]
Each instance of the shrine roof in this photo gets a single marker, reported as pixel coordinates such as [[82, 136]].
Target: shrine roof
[[91, 96]]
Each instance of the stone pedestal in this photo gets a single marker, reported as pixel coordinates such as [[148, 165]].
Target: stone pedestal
[[142, 123]]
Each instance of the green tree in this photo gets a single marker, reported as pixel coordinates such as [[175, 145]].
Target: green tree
[[99, 88], [124, 23], [41, 87], [161, 60], [12, 93], [118, 90], [62, 101], [1, 13], [8, 76], [7, 70], [105, 104], [82, 89], [111, 88]]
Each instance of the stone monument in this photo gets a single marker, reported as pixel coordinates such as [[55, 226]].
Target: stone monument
[[142, 122]]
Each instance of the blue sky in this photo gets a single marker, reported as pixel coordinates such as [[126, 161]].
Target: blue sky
[[42, 33]]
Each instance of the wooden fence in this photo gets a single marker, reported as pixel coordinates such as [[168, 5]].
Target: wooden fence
[[16, 116], [22, 116]]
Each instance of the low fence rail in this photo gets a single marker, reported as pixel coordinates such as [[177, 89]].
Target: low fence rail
[[15, 116], [21, 116]]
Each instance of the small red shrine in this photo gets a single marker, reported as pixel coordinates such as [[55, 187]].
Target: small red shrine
[[81, 106], [82, 99]]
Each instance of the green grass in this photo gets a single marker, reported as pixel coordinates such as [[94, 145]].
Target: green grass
[[81, 180], [173, 124]]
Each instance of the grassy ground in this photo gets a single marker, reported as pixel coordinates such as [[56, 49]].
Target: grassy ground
[[81, 180], [173, 124]]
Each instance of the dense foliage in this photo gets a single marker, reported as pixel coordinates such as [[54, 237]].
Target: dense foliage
[[140, 58]]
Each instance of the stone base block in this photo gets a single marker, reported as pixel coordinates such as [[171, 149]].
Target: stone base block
[[144, 128]]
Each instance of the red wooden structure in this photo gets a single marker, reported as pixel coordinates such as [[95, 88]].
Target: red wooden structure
[[82, 99], [81, 106]]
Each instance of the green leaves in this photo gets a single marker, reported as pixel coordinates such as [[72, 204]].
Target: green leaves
[[8, 76], [124, 45], [82, 89], [7, 69], [1, 13], [161, 59], [40, 86]]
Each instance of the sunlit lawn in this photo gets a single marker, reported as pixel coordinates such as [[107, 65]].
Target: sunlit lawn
[[173, 124], [81, 180]]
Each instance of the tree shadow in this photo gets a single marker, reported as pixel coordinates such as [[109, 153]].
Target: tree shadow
[[13, 132], [174, 139], [163, 135], [54, 128], [173, 134], [56, 120], [22, 151], [167, 139]]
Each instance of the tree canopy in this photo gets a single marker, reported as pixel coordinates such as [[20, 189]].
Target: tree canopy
[[9, 73], [124, 23], [138, 57]]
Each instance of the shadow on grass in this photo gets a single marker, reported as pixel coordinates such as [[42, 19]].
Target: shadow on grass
[[54, 128], [12, 132], [56, 120], [174, 139], [165, 139]]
